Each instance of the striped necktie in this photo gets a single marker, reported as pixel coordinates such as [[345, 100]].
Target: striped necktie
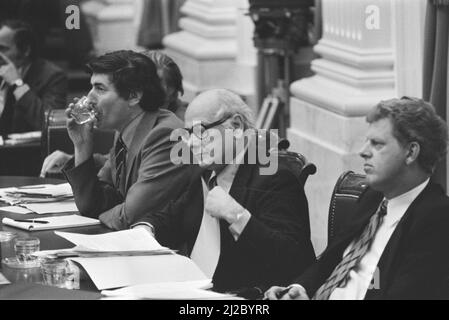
[[120, 164], [339, 276]]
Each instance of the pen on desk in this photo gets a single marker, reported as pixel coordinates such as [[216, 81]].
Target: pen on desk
[[31, 221]]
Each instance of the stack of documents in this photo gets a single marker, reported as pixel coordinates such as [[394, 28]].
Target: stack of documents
[[26, 137], [49, 223], [186, 290], [40, 199], [134, 242], [127, 259]]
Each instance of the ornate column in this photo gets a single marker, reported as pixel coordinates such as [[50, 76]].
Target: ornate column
[[354, 72], [408, 42], [113, 23], [209, 50]]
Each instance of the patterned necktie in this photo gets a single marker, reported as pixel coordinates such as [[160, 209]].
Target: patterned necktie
[[339, 276], [120, 164]]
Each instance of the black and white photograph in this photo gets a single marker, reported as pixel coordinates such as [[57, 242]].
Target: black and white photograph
[[240, 151]]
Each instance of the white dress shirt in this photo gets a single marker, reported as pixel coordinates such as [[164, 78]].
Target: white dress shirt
[[360, 278], [206, 250]]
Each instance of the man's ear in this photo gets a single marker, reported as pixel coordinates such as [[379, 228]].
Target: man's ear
[[135, 97], [237, 122], [412, 153]]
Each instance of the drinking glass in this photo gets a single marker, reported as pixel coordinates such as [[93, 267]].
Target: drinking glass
[[7, 246], [24, 249], [60, 273], [83, 111]]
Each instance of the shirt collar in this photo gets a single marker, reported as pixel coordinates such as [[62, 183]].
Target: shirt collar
[[397, 206]]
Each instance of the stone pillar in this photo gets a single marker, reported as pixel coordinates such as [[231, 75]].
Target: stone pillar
[[113, 23], [210, 51], [354, 72], [408, 42]]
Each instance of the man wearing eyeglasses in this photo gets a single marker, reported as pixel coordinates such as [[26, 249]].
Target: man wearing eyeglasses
[[242, 227]]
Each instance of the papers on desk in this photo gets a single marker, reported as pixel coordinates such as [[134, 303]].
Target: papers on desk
[[15, 209], [168, 290], [26, 137], [126, 240], [129, 260], [42, 208], [57, 222], [44, 193], [116, 272]]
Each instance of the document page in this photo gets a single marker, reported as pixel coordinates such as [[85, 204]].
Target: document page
[[51, 207], [186, 290], [116, 272], [127, 240]]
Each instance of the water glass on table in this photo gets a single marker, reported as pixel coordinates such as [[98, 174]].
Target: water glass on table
[[7, 245], [60, 273]]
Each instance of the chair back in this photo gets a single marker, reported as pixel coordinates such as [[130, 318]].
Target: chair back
[[346, 192], [296, 162]]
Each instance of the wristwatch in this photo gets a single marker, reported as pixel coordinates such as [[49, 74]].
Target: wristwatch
[[17, 83]]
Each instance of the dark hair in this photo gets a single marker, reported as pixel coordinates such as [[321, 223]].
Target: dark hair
[[24, 37], [131, 72], [168, 70], [415, 120]]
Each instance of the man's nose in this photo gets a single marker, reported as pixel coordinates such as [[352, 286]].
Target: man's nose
[[91, 95], [365, 152]]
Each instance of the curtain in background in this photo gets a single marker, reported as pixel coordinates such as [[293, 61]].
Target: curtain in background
[[159, 18], [435, 75]]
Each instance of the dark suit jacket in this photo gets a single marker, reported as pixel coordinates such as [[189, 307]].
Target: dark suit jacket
[[415, 262], [275, 244], [152, 180], [48, 90]]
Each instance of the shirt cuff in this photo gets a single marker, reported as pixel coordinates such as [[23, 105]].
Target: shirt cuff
[[19, 92], [239, 225], [144, 224]]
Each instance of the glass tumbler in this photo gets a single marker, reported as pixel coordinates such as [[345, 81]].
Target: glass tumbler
[[60, 273], [83, 111]]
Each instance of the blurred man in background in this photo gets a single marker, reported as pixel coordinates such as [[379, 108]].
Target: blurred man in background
[[29, 85]]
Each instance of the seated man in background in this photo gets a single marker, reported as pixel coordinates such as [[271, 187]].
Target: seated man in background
[[29, 85], [171, 80], [138, 177], [400, 238], [242, 226]]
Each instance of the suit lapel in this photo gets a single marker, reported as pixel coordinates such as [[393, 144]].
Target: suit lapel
[[390, 254], [144, 126]]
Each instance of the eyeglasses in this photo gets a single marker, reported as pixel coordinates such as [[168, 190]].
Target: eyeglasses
[[200, 130]]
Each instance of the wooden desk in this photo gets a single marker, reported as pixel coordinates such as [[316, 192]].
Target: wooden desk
[[48, 240]]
